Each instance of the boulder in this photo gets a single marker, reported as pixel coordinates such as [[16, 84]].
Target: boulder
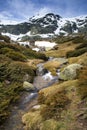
[[28, 86], [70, 72], [61, 60]]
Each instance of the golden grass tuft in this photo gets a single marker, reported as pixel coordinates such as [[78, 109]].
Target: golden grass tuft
[[52, 66], [32, 120], [82, 59]]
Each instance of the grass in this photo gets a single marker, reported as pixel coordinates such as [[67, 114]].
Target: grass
[[82, 59], [82, 83], [63, 105], [62, 49], [32, 120], [52, 66]]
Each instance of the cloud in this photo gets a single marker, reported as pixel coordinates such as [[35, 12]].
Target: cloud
[[4, 15], [43, 11], [23, 9]]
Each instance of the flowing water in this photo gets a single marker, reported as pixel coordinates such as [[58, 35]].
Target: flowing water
[[28, 100]]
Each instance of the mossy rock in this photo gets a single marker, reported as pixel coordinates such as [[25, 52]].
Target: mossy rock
[[28, 86], [70, 72]]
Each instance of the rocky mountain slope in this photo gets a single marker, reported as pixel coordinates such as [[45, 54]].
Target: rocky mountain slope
[[46, 26]]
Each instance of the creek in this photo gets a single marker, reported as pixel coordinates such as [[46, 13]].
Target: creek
[[29, 99]]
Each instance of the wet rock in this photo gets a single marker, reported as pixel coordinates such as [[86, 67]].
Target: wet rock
[[28, 86], [41, 70], [69, 72]]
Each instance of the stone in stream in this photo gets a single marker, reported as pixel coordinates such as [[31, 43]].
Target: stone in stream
[[70, 72], [28, 86], [41, 70]]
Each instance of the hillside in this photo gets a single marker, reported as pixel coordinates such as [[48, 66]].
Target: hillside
[[15, 68], [63, 105]]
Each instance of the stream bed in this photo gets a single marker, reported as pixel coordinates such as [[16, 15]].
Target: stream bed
[[28, 99]]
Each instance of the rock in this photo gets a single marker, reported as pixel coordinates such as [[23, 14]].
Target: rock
[[7, 82], [26, 77], [42, 49], [36, 107], [55, 47], [69, 72], [41, 70], [61, 60], [28, 86]]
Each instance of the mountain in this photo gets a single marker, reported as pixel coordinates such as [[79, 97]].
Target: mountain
[[48, 25]]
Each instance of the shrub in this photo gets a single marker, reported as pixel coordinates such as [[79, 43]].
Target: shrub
[[5, 38], [5, 50], [4, 59], [8, 95], [17, 56], [76, 53], [32, 54], [78, 39], [3, 74], [82, 46], [17, 70]]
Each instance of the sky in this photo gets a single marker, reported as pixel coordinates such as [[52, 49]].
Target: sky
[[24, 9]]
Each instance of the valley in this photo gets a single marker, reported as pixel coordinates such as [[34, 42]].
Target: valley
[[43, 74]]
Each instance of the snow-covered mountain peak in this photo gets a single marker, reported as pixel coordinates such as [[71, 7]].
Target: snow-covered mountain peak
[[48, 25]]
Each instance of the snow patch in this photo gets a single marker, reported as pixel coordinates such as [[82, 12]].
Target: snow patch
[[13, 37], [36, 49], [45, 44], [24, 43]]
